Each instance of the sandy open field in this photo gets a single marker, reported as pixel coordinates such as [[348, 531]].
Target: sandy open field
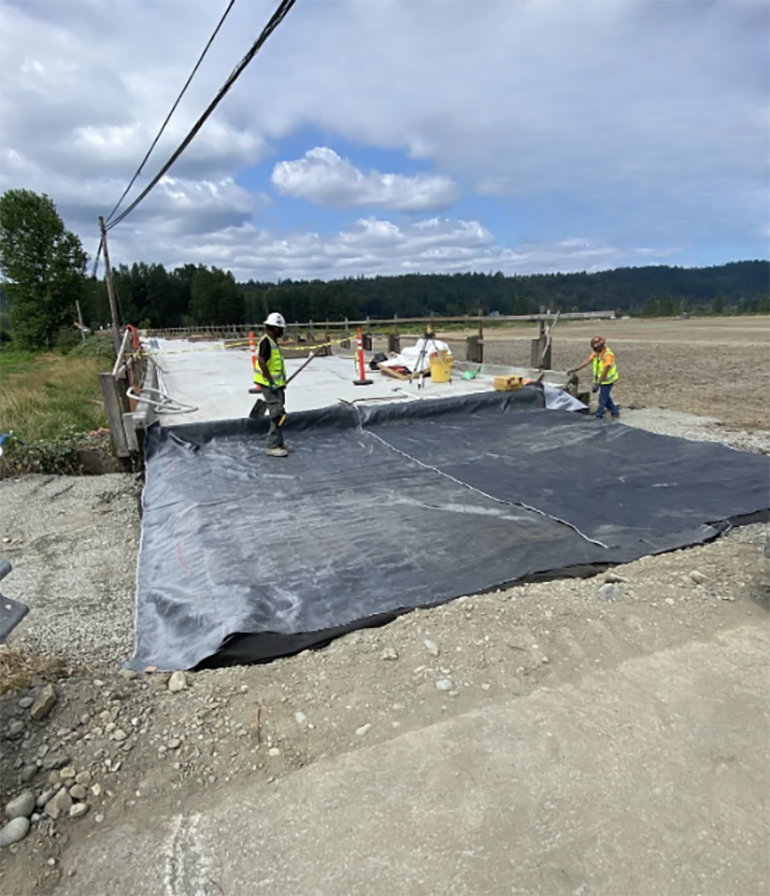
[[708, 366]]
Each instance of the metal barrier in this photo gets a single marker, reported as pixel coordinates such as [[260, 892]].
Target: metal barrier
[[11, 611]]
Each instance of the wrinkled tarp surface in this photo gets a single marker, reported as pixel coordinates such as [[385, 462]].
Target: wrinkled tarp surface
[[381, 509]]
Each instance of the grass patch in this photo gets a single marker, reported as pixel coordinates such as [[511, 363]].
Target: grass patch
[[18, 669], [49, 396]]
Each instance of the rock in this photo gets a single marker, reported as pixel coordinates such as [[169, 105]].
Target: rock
[[78, 792], [389, 653], [174, 743], [698, 577], [608, 591], [300, 718], [43, 703], [26, 702], [65, 773], [55, 760], [83, 778], [431, 647], [444, 684], [15, 728], [14, 831], [177, 682], [670, 601], [364, 729], [119, 734], [28, 773], [99, 818], [613, 577], [62, 802], [78, 810], [128, 674], [44, 797], [21, 806], [96, 790], [273, 751]]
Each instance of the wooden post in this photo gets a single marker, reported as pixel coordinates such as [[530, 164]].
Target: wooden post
[[346, 343], [110, 288], [367, 337], [394, 340]]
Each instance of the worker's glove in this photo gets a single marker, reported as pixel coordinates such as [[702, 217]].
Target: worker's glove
[[595, 387], [273, 388], [571, 373]]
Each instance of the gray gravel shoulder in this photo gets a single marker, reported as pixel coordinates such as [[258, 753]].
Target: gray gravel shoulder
[[699, 429], [72, 542]]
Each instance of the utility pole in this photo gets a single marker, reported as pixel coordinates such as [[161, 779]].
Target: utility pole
[[110, 288], [80, 321]]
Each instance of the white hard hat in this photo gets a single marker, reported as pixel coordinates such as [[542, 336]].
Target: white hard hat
[[275, 320]]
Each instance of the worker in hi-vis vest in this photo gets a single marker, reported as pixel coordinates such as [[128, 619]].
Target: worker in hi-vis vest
[[270, 377], [605, 375]]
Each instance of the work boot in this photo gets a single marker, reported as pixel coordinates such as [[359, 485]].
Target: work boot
[[277, 452]]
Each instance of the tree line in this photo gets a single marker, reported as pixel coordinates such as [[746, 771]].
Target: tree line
[[45, 279]]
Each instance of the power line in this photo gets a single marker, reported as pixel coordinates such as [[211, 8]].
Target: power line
[[173, 109], [274, 22]]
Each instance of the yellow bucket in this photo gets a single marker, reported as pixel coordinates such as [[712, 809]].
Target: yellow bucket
[[440, 372]]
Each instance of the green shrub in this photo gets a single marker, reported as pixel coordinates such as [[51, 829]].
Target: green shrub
[[97, 346], [68, 339]]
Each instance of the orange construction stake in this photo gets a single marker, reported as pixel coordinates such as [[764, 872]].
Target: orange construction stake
[[362, 380], [253, 347]]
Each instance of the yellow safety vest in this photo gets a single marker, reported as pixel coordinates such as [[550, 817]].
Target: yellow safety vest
[[274, 364], [612, 373]]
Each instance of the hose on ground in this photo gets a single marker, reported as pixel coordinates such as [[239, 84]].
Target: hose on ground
[[162, 402]]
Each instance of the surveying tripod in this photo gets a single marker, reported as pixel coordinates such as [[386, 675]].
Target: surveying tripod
[[428, 347]]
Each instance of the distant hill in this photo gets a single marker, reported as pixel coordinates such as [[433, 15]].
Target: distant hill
[[737, 287], [151, 296]]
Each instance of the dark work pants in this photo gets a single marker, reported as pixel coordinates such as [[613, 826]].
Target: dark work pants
[[276, 401], [605, 401]]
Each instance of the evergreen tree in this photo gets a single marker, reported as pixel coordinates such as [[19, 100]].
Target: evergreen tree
[[43, 265]]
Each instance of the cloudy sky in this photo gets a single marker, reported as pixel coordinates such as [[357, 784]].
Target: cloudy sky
[[393, 136]]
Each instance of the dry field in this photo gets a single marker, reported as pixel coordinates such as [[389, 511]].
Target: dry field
[[707, 366]]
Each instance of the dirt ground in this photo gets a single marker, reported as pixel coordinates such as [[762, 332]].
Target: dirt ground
[[707, 366], [143, 751]]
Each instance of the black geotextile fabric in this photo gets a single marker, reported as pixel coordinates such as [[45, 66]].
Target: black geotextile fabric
[[382, 509]]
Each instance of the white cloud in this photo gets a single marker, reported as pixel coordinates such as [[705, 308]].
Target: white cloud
[[632, 123], [326, 179], [373, 246]]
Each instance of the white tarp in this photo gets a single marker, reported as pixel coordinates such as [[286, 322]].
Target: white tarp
[[559, 400], [413, 355]]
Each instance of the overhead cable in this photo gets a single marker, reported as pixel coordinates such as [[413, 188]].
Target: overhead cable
[[173, 109], [275, 20]]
